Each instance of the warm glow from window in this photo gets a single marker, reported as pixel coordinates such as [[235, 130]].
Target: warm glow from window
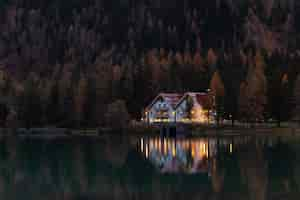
[[159, 146], [147, 151], [193, 152], [173, 151], [151, 144], [142, 145], [164, 148]]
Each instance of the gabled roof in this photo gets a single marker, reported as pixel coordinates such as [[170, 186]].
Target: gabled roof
[[198, 97], [171, 98]]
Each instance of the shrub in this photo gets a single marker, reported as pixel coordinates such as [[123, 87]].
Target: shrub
[[116, 116]]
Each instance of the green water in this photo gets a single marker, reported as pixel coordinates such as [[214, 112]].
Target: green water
[[115, 167]]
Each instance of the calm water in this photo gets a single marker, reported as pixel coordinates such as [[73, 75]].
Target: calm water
[[114, 167]]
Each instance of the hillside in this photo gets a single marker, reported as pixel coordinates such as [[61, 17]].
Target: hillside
[[63, 62]]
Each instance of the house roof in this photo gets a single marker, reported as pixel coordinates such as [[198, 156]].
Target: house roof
[[200, 98], [175, 99], [170, 98], [204, 100]]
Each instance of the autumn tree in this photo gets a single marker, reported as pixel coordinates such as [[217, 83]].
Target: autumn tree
[[211, 59], [256, 87], [217, 89]]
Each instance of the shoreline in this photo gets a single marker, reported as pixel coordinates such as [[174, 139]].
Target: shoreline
[[192, 131]]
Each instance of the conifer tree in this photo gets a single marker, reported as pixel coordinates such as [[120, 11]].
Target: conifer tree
[[297, 99]]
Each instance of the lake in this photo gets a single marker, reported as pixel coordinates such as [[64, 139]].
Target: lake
[[150, 167]]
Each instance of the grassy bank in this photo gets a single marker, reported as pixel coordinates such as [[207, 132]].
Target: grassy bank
[[144, 129]]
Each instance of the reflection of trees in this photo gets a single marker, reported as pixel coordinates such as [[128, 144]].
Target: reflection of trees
[[254, 170], [217, 175], [225, 173], [64, 170], [67, 169], [116, 150], [281, 160]]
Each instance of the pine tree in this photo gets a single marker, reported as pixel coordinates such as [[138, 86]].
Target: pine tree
[[80, 99], [277, 92], [256, 89], [297, 99], [32, 108], [90, 114], [52, 108]]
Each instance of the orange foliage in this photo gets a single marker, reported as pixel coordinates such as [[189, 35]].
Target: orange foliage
[[216, 84]]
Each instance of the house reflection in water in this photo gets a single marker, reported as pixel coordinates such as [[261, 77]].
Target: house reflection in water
[[190, 156]]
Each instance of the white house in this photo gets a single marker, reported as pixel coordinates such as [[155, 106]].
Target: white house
[[162, 108], [188, 108], [195, 108]]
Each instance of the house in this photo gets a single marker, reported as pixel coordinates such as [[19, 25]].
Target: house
[[195, 108], [162, 108], [188, 108]]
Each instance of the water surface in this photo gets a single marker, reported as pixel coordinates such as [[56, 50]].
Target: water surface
[[130, 167]]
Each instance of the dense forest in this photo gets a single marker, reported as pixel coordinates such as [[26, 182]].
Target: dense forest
[[87, 63]]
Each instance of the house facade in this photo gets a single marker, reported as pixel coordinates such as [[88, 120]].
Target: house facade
[[195, 108], [187, 108], [162, 108]]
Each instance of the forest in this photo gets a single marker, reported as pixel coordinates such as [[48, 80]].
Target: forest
[[95, 63]]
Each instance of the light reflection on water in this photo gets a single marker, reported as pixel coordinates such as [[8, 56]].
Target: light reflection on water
[[114, 167], [172, 155]]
